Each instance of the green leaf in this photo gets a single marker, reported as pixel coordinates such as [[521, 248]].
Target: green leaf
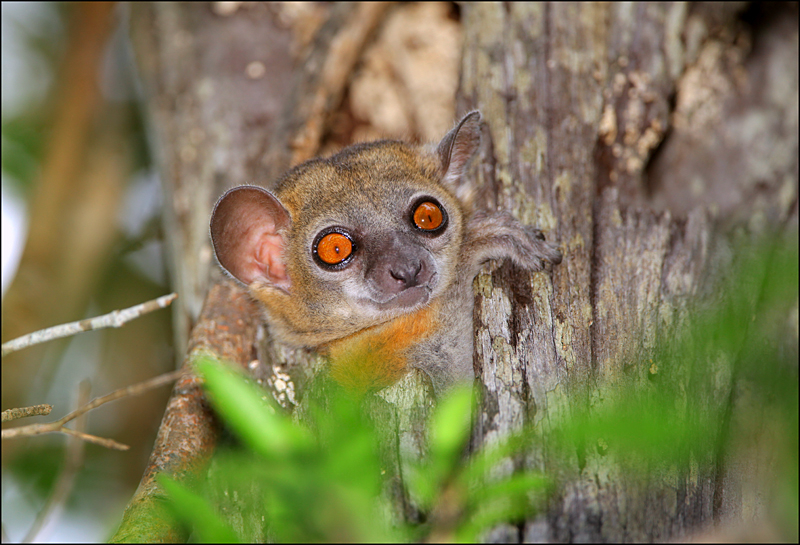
[[517, 493], [195, 510], [421, 485], [480, 463], [449, 430], [253, 419]]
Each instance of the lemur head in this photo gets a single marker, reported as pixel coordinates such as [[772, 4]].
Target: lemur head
[[353, 240]]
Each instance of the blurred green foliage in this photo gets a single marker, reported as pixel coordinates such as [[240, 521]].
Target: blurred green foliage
[[329, 485], [326, 481], [739, 340], [38, 472], [22, 147]]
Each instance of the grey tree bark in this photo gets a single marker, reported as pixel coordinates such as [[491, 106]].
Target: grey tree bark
[[637, 136]]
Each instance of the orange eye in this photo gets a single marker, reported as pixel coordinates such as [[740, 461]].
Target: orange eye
[[334, 248], [428, 216]]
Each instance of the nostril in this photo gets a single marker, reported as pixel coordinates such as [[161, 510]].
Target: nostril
[[406, 274]]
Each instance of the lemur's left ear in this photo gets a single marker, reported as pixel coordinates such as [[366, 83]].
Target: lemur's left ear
[[457, 148], [248, 228]]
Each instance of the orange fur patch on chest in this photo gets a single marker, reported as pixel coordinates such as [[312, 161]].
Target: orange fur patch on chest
[[378, 357]]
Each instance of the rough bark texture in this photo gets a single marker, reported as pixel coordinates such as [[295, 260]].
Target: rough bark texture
[[577, 98], [635, 135]]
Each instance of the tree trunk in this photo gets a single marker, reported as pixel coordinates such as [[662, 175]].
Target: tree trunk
[[636, 136]]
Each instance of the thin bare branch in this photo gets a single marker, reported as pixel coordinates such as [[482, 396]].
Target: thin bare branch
[[58, 425], [113, 319], [24, 412], [73, 460], [135, 389], [102, 441]]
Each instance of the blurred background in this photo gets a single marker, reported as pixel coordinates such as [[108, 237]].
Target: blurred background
[[81, 237]]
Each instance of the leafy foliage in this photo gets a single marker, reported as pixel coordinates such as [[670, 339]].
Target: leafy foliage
[[329, 486]]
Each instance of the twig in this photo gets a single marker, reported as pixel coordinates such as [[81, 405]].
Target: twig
[[24, 412], [112, 319], [89, 438], [73, 460], [58, 425]]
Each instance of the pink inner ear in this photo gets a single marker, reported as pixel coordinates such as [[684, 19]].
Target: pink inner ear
[[263, 254], [268, 255], [246, 231]]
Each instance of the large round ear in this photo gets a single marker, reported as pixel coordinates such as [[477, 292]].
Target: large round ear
[[457, 148], [248, 227]]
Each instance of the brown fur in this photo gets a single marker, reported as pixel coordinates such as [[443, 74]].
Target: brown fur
[[404, 298]]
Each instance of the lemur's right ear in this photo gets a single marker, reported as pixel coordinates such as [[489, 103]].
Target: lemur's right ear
[[456, 149], [248, 228]]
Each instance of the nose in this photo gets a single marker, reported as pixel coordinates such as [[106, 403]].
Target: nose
[[408, 273], [396, 263]]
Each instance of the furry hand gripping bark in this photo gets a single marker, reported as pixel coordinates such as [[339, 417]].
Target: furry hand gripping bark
[[368, 256]]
